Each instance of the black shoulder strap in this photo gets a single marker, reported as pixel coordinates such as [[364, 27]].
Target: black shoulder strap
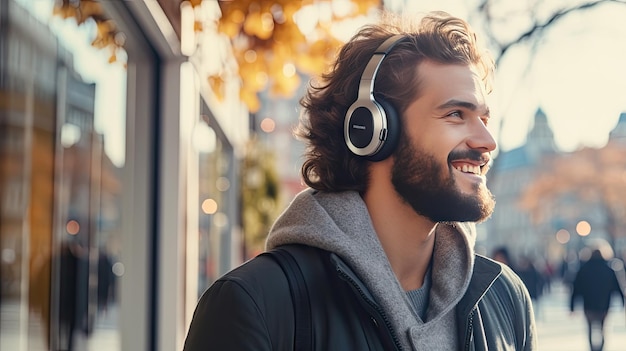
[[299, 296]]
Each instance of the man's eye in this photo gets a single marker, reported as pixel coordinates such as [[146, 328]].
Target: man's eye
[[456, 114]]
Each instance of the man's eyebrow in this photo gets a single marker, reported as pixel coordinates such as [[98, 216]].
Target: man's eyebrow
[[457, 103], [464, 104]]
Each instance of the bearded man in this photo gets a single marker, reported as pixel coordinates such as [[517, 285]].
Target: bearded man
[[398, 149]]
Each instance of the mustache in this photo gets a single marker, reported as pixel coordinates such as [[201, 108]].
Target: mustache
[[469, 154]]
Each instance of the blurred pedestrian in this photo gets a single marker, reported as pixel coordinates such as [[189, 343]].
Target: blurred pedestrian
[[534, 280], [595, 282], [569, 267], [502, 255]]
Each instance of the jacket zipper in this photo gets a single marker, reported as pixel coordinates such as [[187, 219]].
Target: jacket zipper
[[374, 305], [470, 327]]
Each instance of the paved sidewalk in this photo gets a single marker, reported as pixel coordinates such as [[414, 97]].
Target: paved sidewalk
[[561, 331], [557, 329], [105, 336]]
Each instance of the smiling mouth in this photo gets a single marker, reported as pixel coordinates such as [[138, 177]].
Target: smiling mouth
[[478, 167], [470, 162], [467, 168]]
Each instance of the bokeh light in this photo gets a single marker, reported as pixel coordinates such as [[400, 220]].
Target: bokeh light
[[209, 206], [583, 228], [72, 227], [563, 236]]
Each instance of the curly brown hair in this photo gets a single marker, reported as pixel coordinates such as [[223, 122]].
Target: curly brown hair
[[329, 165]]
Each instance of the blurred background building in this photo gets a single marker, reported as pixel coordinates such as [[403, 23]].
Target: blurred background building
[[146, 148], [550, 202]]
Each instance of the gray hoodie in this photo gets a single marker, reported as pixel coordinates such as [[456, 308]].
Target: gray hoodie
[[340, 223]]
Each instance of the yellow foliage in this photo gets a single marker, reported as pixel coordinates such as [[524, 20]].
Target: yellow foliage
[[288, 33], [250, 98], [64, 10], [365, 6], [259, 24], [89, 9], [105, 34], [84, 10], [587, 176], [217, 86], [268, 28], [231, 29], [285, 85], [254, 74], [319, 55]]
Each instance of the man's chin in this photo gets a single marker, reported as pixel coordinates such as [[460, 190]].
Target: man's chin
[[487, 204], [463, 209], [484, 205]]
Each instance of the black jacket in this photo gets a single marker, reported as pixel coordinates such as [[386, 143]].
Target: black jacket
[[595, 282], [250, 308]]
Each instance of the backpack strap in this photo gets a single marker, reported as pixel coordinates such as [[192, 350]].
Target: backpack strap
[[303, 338]]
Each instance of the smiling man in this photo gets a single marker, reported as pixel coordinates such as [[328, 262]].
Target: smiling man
[[398, 151]]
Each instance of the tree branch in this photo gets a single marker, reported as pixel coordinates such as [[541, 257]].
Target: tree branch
[[539, 27]]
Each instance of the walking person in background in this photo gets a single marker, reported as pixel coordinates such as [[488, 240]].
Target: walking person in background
[[595, 282], [534, 280], [502, 255], [383, 239]]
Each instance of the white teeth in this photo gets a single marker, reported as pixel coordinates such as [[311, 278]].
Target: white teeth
[[469, 169]]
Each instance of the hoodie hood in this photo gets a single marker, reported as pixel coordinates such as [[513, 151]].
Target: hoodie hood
[[340, 223]]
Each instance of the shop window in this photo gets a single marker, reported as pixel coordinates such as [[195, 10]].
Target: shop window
[[62, 110]]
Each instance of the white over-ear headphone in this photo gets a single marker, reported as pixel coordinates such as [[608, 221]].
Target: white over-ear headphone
[[371, 126]]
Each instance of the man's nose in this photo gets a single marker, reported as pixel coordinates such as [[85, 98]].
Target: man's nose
[[480, 137]]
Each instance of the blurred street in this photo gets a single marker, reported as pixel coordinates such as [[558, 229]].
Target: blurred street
[[105, 335], [560, 331]]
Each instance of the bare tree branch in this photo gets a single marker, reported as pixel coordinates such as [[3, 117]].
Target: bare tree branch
[[537, 28]]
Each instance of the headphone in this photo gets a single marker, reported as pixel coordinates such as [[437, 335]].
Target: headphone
[[371, 126]]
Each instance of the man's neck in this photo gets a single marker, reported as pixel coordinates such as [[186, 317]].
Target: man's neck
[[406, 237]]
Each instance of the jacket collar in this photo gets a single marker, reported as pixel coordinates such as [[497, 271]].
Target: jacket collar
[[486, 271]]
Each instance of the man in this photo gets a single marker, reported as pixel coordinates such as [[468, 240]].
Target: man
[[397, 152], [595, 282]]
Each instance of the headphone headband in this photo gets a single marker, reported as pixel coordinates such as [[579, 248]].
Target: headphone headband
[[371, 127], [366, 85]]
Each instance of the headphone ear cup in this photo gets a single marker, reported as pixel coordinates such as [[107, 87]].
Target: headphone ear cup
[[393, 131]]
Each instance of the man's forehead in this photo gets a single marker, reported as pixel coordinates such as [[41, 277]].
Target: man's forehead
[[451, 81]]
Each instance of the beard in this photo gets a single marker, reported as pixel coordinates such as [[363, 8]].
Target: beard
[[431, 190]]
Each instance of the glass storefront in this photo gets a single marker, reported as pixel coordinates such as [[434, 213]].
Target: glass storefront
[[213, 236], [119, 196], [62, 149], [216, 197]]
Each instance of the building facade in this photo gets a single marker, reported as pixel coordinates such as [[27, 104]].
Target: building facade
[[550, 232], [118, 168]]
